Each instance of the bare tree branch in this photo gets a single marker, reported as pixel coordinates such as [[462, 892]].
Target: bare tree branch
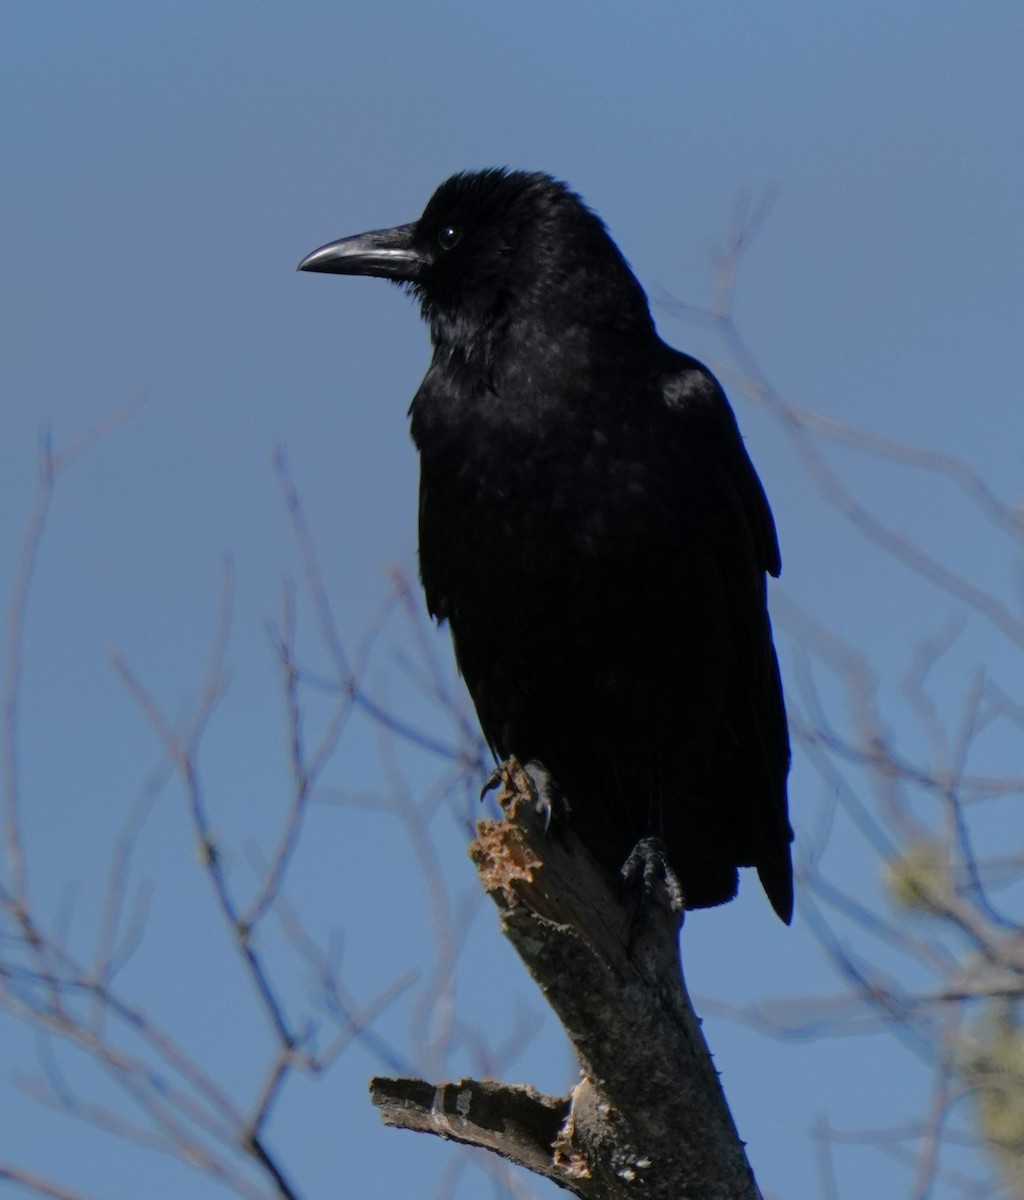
[[649, 1117]]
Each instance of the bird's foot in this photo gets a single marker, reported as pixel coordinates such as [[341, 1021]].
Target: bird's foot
[[653, 891], [548, 798], [511, 776]]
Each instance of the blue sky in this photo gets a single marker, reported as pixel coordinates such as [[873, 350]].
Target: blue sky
[[168, 165]]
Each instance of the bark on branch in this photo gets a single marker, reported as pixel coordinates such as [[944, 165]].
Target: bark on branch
[[648, 1117]]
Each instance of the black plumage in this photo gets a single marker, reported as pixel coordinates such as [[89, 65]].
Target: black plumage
[[593, 531]]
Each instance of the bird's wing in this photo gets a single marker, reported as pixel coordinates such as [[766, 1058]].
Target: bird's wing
[[753, 715]]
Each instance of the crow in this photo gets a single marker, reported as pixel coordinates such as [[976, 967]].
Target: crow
[[593, 532]]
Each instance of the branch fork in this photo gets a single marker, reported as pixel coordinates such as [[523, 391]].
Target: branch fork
[[648, 1117]]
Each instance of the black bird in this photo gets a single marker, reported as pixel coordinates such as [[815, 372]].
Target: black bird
[[593, 531]]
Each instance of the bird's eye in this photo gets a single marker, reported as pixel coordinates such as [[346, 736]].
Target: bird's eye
[[448, 236]]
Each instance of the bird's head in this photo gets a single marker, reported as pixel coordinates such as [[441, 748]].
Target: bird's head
[[493, 247]]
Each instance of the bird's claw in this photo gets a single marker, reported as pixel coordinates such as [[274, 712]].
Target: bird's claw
[[548, 801], [651, 886], [495, 779]]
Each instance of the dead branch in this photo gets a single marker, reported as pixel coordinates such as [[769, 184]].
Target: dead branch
[[648, 1117]]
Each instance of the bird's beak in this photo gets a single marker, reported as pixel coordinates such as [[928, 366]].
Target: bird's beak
[[387, 253]]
